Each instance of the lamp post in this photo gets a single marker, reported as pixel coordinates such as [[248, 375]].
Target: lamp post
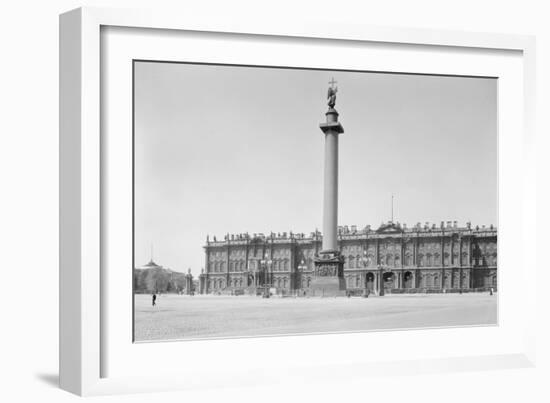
[[365, 262], [302, 267], [382, 268], [266, 266]]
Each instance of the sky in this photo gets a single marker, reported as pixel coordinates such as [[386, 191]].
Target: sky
[[233, 149]]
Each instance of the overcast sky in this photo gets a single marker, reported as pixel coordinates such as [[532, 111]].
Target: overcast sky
[[223, 149]]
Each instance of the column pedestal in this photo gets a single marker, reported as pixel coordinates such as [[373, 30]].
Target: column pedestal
[[202, 284], [188, 284], [329, 275]]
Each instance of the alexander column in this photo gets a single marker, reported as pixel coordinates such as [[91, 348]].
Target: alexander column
[[329, 263]]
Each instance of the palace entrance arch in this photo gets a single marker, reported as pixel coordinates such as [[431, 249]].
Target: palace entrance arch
[[408, 280], [389, 278], [370, 281]]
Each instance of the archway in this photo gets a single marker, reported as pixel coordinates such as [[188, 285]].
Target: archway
[[370, 281], [408, 280], [388, 280]]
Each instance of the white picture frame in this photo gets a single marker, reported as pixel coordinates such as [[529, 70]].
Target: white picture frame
[[84, 312]]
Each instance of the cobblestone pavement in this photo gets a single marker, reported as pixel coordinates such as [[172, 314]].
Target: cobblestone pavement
[[183, 317]]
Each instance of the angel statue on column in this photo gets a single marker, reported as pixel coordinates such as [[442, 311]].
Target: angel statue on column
[[331, 96]]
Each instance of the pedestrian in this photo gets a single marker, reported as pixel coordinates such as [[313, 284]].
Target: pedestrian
[[154, 299], [491, 291]]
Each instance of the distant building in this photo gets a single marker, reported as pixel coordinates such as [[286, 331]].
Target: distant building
[[153, 278], [390, 259]]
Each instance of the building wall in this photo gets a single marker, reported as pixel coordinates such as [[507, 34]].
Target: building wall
[[403, 260]]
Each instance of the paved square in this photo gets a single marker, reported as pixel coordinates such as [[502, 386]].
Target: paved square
[[204, 316]]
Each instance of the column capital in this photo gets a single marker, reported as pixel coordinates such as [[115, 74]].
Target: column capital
[[334, 127]]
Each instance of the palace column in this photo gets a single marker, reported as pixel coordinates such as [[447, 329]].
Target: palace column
[[329, 263], [330, 195], [442, 281], [203, 278]]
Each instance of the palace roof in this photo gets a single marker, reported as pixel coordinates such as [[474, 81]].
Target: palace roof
[[388, 229]]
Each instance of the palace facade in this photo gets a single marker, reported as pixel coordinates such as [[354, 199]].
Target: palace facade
[[390, 259]]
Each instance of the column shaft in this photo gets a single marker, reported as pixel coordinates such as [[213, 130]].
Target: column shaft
[[330, 200]]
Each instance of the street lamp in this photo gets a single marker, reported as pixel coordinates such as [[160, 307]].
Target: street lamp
[[365, 262], [302, 267], [266, 265]]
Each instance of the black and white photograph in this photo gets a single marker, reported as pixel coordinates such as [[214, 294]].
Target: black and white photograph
[[298, 201], [272, 201]]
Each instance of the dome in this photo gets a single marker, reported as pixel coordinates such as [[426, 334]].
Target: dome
[[150, 265]]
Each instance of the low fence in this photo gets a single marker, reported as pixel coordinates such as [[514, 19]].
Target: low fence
[[353, 292], [438, 290]]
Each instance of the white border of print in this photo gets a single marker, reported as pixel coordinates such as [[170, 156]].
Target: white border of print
[[96, 354]]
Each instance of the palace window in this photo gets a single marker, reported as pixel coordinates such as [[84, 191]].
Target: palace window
[[464, 258], [351, 262]]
